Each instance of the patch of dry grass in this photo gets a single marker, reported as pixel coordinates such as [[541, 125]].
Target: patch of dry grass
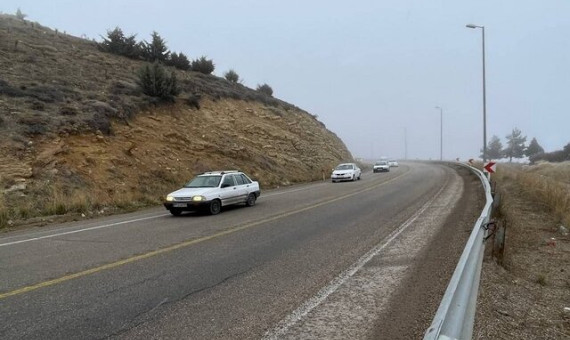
[[557, 171], [546, 183], [3, 214]]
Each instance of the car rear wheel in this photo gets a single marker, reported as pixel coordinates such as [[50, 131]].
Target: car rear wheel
[[175, 212], [250, 202], [215, 207]]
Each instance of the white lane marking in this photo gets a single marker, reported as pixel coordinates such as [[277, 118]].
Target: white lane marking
[[80, 230], [283, 326], [86, 222]]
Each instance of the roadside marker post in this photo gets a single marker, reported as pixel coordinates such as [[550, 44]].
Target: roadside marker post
[[490, 167]]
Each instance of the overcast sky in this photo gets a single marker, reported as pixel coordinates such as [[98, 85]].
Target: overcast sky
[[372, 69]]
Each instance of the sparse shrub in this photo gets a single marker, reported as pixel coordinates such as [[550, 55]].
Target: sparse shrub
[[193, 100], [4, 218], [35, 129], [125, 87], [541, 280], [232, 76], [100, 122], [156, 50], [38, 106], [68, 111], [203, 65], [34, 125], [48, 93], [265, 89], [154, 82], [1, 121], [179, 60], [10, 91]]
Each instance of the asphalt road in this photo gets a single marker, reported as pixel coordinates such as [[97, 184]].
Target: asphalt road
[[273, 270]]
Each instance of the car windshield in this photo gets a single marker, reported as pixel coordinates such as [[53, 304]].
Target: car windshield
[[344, 167], [381, 163], [204, 182]]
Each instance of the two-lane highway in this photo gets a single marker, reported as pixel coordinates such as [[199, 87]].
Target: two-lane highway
[[237, 275]]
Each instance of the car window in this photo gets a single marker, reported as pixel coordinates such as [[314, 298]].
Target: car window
[[229, 180], [204, 182], [245, 179], [239, 180], [344, 167]]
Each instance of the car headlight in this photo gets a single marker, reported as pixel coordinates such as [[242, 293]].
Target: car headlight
[[169, 198], [198, 198]]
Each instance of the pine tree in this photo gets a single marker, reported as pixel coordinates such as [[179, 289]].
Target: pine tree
[[114, 42], [20, 15], [156, 50], [203, 65], [494, 148], [179, 60], [533, 148], [515, 145]]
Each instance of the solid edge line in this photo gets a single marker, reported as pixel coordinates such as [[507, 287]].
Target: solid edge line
[[183, 244]]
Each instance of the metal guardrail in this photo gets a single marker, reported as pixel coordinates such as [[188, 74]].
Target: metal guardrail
[[456, 313]]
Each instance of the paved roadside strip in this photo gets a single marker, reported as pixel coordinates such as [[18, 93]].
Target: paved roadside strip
[[349, 305]]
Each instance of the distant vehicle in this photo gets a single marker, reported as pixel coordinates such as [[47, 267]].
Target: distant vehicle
[[381, 166], [393, 163], [211, 191], [346, 172]]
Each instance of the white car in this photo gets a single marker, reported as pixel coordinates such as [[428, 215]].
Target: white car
[[346, 172], [393, 163], [211, 191], [381, 166]]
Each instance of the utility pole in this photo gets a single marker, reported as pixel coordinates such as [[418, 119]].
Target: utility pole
[[405, 143]]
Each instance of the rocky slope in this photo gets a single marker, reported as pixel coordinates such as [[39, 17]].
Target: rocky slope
[[77, 135]]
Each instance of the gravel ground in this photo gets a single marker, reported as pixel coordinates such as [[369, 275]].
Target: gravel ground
[[527, 296]]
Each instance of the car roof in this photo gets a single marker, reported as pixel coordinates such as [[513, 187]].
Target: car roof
[[223, 172]]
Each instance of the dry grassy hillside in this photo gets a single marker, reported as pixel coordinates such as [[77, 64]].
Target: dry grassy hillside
[[77, 134]]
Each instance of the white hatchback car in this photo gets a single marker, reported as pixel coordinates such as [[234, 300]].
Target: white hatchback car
[[346, 172], [211, 191]]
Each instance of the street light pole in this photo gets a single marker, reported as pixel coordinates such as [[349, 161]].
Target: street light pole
[[440, 132], [484, 93]]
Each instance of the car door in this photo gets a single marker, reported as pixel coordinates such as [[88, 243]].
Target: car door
[[241, 188], [228, 190]]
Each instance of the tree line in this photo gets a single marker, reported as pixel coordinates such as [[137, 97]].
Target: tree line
[[516, 147], [154, 80]]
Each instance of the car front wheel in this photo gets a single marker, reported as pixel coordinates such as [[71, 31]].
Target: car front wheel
[[215, 207], [250, 202], [175, 212]]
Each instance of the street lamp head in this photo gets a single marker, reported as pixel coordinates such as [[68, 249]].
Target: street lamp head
[[471, 26]]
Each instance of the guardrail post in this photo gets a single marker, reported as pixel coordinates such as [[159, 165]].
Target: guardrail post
[[499, 242]]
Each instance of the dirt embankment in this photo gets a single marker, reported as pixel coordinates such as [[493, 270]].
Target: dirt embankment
[[77, 134]]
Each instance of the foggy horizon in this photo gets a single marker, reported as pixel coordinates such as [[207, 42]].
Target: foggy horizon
[[369, 71]]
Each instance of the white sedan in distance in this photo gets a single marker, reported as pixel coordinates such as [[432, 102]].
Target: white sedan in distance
[[346, 172]]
